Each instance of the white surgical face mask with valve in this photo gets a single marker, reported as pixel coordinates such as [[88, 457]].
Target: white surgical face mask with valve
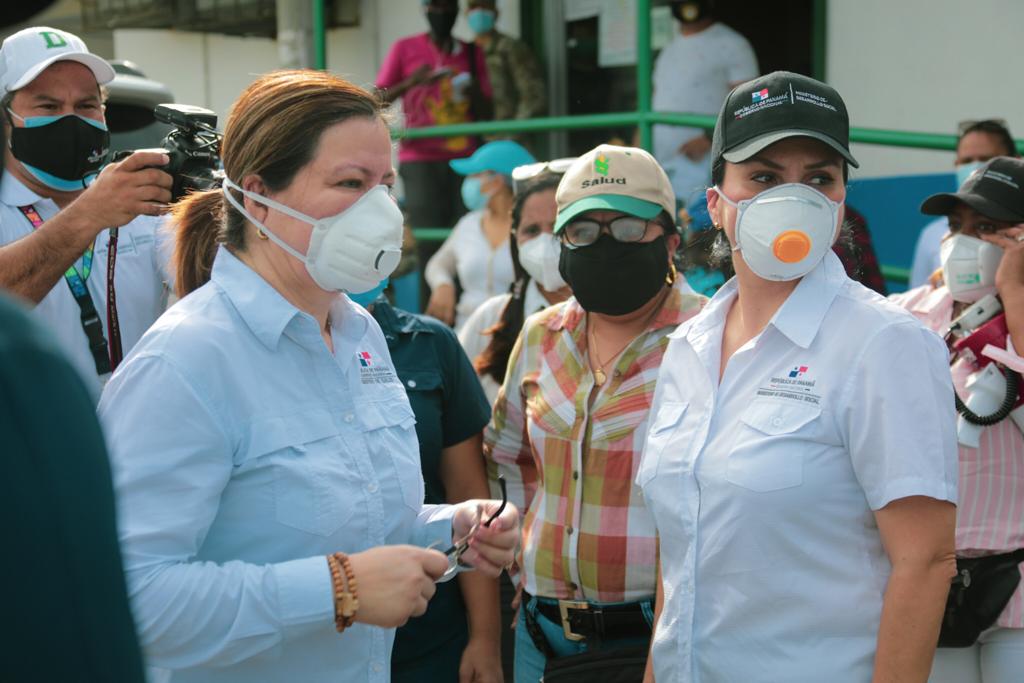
[[539, 258], [348, 252], [969, 267], [785, 231]]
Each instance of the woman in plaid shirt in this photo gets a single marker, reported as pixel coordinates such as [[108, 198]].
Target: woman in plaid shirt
[[570, 418]]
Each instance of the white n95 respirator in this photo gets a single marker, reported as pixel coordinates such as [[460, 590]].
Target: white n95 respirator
[[969, 267], [539, 258], [349, 252], [784, 232]]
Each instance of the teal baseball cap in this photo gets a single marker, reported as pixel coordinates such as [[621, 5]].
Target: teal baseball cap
[[500, 156]]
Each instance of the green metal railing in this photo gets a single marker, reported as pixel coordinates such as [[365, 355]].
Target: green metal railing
[[644, 118]]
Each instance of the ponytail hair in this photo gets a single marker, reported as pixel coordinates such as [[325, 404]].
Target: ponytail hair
[[198, 218], [493, 360], [273, 131]]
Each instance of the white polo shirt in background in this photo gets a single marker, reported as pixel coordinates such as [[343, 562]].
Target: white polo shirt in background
[[764, 486], [140, 274]]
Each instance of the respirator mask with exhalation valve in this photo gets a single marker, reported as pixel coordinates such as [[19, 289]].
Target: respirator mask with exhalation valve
[[980, 336]]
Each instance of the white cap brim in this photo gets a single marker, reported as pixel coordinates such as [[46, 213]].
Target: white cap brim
[[102, 70]]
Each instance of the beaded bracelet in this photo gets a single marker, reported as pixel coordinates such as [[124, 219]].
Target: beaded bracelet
[[346, 596]]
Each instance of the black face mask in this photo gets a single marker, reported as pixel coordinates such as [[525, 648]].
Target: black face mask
[[691, 11], [612, 277], [441, 23], [62, 153]]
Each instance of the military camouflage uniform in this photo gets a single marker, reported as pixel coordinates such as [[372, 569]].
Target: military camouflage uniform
[[515, 79]]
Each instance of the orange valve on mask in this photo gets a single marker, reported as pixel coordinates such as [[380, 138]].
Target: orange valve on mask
[[792, 246]]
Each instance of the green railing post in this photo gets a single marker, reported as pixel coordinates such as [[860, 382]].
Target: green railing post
[[643, 71], [319, 35], [819, 38]]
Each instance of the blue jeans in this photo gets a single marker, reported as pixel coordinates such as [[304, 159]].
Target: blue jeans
[[529, 665]]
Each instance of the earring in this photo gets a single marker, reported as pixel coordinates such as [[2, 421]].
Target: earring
[[262, 235], [670, 279]]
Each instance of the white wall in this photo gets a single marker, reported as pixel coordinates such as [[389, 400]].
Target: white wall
[[925, 65], [210, 70]]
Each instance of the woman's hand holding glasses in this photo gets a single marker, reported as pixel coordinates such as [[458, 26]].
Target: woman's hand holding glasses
[[486, 534]]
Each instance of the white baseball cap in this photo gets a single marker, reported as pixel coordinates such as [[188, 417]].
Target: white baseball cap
[[25, 54]]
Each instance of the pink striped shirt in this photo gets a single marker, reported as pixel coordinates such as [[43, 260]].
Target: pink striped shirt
[[990, 514]]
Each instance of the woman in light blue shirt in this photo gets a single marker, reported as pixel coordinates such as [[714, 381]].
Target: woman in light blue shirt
[[259, 425]]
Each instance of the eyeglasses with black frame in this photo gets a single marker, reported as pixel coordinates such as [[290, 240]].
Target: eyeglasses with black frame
[[583, 232], [455, 552]]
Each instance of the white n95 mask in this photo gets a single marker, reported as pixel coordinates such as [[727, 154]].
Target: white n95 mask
[[785, 231], [539, 258], [969, 267], [349, 252]]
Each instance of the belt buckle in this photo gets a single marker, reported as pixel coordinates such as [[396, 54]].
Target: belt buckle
[[563, 609]]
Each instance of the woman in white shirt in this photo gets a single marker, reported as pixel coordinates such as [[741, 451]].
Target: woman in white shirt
[[801, 465], [477, 250], [259, 429], [491, 331]]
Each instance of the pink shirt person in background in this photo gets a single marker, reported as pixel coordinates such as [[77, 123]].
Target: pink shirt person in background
[[983, 255]]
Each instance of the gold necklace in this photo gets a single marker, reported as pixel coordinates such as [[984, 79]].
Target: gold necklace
[[599, 374], [599, 377]]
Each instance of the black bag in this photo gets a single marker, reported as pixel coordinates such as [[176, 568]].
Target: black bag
[[979, 594], [619, 665]]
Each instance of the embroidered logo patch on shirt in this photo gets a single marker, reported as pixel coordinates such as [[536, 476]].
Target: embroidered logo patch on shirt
[[372, 372], [795, 384]]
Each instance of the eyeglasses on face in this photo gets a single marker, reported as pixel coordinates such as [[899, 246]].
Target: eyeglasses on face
[[583, 232]]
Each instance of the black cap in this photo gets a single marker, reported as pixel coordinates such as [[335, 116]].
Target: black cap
[[995, 190], [779, 105]]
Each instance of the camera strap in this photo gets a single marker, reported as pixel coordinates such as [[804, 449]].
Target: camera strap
[[105, 358]]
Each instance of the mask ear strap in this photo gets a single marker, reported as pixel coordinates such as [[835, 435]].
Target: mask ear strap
[[241, 209], [734, 205], [725, 199], [11, 116], [266, 201]]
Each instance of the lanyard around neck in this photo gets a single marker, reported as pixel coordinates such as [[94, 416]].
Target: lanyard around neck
[[106, 357]]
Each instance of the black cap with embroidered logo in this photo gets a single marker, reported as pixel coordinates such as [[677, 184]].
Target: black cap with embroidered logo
[[780, 105], [995, 190]]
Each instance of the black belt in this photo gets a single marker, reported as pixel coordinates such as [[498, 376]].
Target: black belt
[[581, 620]]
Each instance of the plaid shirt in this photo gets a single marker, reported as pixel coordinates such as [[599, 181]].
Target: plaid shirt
[[569, 451]]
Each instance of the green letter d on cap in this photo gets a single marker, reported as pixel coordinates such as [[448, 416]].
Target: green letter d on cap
[[53, 39]]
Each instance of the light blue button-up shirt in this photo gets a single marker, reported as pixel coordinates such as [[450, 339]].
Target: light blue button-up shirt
[[244, 452]]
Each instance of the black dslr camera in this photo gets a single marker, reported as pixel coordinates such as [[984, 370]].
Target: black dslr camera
[[193, 147]]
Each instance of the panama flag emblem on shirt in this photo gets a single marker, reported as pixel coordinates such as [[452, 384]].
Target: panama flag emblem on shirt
[[798, 371], [759, 95], [365, 359]]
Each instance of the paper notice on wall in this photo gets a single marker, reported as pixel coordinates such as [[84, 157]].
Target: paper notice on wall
[[582, 9], [616, 33], [663, 27]]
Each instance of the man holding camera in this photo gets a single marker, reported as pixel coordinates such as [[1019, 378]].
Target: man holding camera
[[72, 226]]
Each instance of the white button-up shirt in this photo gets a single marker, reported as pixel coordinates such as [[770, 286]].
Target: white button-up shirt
[[473, 333], [764, 485], [243, 452], [140, 274]]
